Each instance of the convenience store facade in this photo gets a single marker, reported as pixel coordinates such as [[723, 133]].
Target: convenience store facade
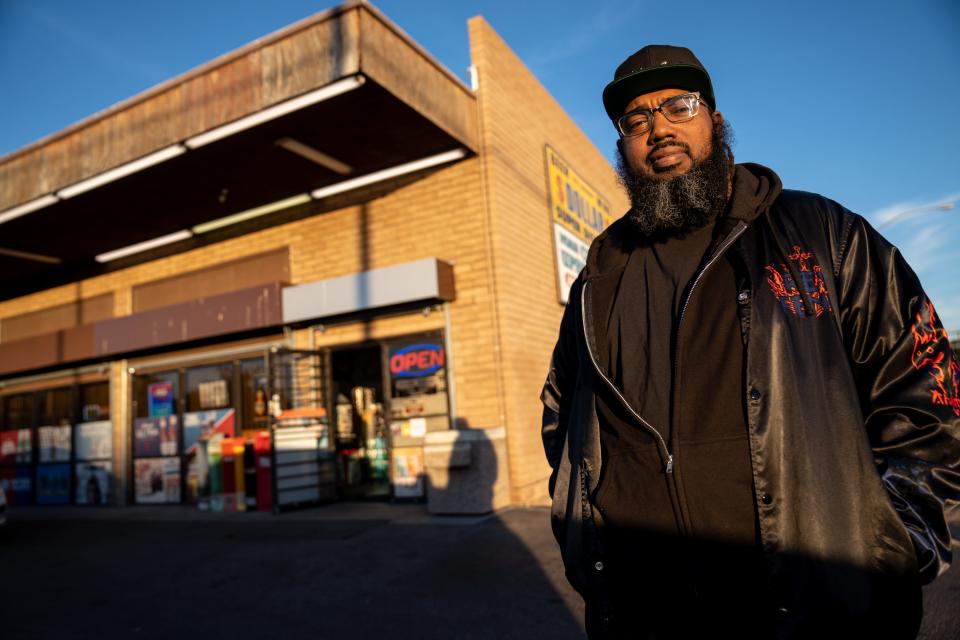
[[324, 233]]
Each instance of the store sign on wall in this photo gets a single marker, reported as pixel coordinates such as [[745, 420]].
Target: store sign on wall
[[579, 214], [416, 360]]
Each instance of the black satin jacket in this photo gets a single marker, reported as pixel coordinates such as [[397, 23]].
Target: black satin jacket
[[853, 411]]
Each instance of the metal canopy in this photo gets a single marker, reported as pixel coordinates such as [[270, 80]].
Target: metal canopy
[[407, 108]]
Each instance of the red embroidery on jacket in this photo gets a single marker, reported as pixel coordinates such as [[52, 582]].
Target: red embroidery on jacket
[[931, 352], [785, 289]]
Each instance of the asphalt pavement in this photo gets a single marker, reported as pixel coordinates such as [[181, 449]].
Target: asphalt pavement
[[346, 570]]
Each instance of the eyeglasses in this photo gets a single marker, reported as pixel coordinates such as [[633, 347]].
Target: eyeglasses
[[676, 109]]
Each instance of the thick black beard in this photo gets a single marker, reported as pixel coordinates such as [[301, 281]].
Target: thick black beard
[[677, 206]]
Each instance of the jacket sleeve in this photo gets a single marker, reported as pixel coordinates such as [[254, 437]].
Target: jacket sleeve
[[907, 377], [558, 388]]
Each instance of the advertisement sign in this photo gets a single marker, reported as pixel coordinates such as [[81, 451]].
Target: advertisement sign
[[155, 436], [54, 444], [200, 425], [157, 481], [93, 482], [94, 440], [408, 472], [15, 447], [578, 213], [53, 484], [160, 399]]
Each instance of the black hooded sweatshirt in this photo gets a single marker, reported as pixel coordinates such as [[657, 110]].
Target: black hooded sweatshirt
[[687, 543]]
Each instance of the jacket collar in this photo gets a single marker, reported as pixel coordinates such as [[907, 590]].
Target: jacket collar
[[755, 188]]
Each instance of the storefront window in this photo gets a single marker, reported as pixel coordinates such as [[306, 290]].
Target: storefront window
[[56, 406], [18, 411], [16, 448], [94, 401]]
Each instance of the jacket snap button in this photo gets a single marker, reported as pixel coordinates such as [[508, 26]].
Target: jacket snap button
[[754, 395], [743, 296], [598, 566], [766, 498]]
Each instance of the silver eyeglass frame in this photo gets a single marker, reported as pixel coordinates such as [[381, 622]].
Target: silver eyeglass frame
[[619, 123]]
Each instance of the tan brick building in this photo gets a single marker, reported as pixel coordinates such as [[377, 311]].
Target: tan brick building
[[343, 242]]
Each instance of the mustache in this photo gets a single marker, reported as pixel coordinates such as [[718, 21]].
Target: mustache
[[683, 146]]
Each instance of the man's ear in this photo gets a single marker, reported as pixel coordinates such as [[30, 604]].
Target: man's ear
[[717, 118]]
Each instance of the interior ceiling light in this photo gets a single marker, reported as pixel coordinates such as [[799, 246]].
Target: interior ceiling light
[[123, 170], [251, 213], [27, 207], [308, 152], [26, 255], [144, 246], [271, 113], [386, 174]]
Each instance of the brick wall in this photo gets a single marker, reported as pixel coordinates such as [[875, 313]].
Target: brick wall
[[519, 117]]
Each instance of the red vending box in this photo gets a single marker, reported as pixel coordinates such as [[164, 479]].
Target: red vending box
[[261, 448]]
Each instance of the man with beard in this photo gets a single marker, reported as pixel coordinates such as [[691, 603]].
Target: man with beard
[[752, 411]]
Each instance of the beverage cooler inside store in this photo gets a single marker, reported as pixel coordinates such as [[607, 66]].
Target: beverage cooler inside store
[[257, 433]]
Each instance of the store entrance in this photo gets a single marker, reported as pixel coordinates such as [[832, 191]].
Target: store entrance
[[359, 418]]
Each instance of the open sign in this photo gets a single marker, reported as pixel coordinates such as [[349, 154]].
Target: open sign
[[416, 360]]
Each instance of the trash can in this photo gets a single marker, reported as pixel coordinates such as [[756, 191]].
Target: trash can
[[466, 471]]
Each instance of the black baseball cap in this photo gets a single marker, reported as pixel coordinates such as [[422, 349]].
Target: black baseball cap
[[655, 67]]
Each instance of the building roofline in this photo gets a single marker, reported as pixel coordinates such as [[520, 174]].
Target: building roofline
[[228, 57]]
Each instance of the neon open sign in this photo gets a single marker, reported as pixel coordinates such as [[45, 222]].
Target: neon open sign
[[416, 360]]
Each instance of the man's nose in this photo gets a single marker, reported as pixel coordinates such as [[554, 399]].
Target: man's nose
[[660, 127]]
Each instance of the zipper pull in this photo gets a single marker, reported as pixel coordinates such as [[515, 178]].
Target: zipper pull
[[669, 463]]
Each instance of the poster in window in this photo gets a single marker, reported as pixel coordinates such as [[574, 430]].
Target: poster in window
[[15, 447], [93, 482], [7, 474], [200, 425], [157, 480], [155, 436], [213, 394], [54, 444], [160, 399], [17, 482], [408, 480], [94, 440], [23, 485], [53, 484]]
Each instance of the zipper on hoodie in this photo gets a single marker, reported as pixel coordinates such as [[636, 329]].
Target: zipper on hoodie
[[730, 239], [662, 444]]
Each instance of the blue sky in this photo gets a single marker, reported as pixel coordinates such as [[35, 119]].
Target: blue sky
[[856, 100]]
